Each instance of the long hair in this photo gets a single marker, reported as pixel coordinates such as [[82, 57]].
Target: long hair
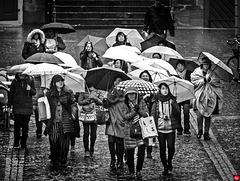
[[124, 65], [88, 42], [145, 71], [121, 33]]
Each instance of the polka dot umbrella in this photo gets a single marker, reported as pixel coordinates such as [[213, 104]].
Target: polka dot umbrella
[[142, 86]]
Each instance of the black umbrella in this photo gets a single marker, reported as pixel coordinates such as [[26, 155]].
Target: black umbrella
[[156, 40], [61, 28], [102, 77]]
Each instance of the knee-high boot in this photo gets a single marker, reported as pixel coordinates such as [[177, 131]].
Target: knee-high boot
[[112, 154]]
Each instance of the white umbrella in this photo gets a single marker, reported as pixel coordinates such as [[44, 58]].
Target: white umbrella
[[123, 54], [165, 52], [78, 70], [133, 37], [68, 59], [182, 89], [130, 48]]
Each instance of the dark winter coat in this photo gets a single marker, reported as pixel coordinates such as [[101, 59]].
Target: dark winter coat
[[29, 48], [88, 62], [69, 107], [157, 19], [19, 97]]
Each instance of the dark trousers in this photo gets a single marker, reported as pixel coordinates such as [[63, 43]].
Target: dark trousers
[[186, 108], [200, 122], [92, 134], [38, 123], [116, 147], [140, 158], [166, 140], [72, 139], [21, 121]]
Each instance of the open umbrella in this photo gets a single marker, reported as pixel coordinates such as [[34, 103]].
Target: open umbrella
[[123, 54], [18, 68], [165, 52], [99, 44], [222, 70], [133, 37], [68, 60], [156, 40], [102, 77], [190, 65], [142, 86], [61, 28], [43, 58], [182, 89], [78, 70], [130, 48]]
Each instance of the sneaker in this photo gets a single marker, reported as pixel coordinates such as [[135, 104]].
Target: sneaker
[[87, 154]]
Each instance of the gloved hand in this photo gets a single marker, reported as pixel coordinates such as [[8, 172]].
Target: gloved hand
[[136, 107]]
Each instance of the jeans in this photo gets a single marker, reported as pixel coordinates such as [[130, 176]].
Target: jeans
[[140, 158], [166, 140], [86, 134], [186, 108], [200, 122], [21, 121]]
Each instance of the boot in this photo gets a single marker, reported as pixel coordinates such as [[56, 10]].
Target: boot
[[112, 154], [199, 135], [206, 136], [120, 150]]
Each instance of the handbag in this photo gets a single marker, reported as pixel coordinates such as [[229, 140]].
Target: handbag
[[135, 129], [148, 127], [87, 117], [44, 108], [102, 116]]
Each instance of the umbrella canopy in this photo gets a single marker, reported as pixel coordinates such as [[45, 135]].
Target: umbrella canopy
[[123, 54], [165, 52], [99, 44], [190, 65], [61, 28], [68, 60], [156, 63], [130, 48], [74, 81], [142, 86], [102, 77], [78, 70], [156, 40], [220, 68], [133, 37], [43, 58], [182, 89], [43, 69], [19, 68]]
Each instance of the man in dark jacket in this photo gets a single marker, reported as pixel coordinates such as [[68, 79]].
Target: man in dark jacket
[[20, 100], [157, 21], [184, 74]]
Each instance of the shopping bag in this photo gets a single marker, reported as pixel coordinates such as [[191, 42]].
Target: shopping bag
[[44, 108], [87, 117], [148, 127], [102, 116]]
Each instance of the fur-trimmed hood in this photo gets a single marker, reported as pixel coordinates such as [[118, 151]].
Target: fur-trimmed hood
[[30, 35]]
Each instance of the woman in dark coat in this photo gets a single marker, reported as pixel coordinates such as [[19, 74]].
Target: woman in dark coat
[[20, 100], [34, 43], [166, 113], [121, 39], [89, 58], [61, 125]]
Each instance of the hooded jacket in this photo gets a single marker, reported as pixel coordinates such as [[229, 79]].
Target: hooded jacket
[[19, 97], [30, 48]]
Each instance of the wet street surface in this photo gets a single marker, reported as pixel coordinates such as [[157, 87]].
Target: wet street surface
[[194, 159]]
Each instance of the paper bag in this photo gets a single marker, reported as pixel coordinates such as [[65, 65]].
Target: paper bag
[[44, 108], [148, 127]]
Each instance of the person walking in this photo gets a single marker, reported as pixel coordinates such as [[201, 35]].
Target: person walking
[[166, 113], [209, 95], [34, 43], [53, 42], [183, 73], [20, 101], [157, 21], [133, 108], [63, 109], [115, 127], [88, 100], [145, 75], [89, 58], [121, 39]]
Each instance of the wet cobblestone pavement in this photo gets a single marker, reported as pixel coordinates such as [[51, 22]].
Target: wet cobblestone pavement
[[194, 159]]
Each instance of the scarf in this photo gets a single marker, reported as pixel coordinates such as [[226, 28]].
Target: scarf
[[182, 74], [164, 98]]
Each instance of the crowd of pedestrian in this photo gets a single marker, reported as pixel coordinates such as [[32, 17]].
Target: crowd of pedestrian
[[125, 108]]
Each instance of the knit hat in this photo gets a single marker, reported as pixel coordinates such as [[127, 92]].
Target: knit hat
[[130, 90], [205, 60]]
